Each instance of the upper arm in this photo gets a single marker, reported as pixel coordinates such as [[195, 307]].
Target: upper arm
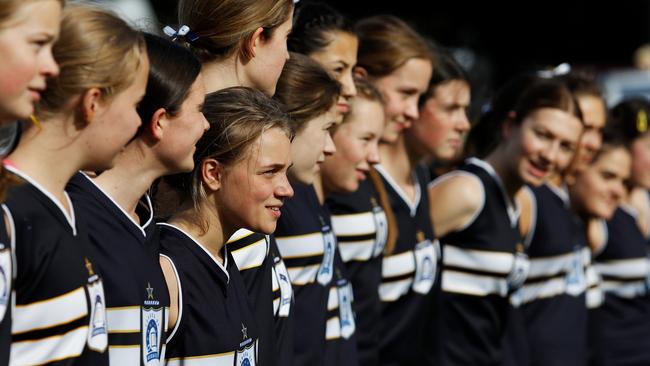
[[454, 202], [171, 279], [526, 202]]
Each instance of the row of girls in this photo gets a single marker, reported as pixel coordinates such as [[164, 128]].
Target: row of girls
[[207, 198]]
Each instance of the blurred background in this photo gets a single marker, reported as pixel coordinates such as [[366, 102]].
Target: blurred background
[[494, 40]]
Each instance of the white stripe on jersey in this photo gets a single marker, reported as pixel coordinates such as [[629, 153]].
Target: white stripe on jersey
[[356, 250], [495, 262], [540, 290], [123, 320], [624, 268], [594, 295], [398, 264], [239, 234], [354, 224], [49, 349], [393, 290], [333, 328], [301, 246], [551, 266], [333, 299], [473, 284], [250, 256], [223, 359], [128, 355], [628, 290], [303, 275], [51, 312]]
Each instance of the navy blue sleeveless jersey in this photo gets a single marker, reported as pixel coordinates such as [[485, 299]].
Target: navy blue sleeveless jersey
[[7, 248], [409, 276], [216, 324], [361, 231], [483, 263], [622, 323], [59, 317], [553, 296], [127, 256], [269, 288], [324, 327]]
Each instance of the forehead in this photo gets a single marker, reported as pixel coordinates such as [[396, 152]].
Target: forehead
[[365, 114], [413, 74], [562, 124], [271, 147], [341, 45], [452, 91], [36, 16], [615, 160], [593, 111]]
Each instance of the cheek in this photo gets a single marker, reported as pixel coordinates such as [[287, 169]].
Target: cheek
[[18, 69]]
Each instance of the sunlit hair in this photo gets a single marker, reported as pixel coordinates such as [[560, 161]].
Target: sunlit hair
[[225, 27], [9, 7], [96, 49]]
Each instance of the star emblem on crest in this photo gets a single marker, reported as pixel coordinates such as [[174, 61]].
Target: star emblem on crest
[[244, 330], [149, 291]]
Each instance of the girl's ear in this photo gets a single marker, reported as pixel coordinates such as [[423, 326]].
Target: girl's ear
[[250, 47], [158, 123], [90, 104], [211, 174], [360, 72]]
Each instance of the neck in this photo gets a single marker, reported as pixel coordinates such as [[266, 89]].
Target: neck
[[213, 236], [222, 74], [131, 177], [396, 160], [500, 162], [414, 149], [319, 188], [50, 155]]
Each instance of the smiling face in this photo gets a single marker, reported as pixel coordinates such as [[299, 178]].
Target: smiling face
[[339, 57], [356, 143], [599, 187], [253, 189], [310, 146], [443, 122], [543, 144], [401, 90], [26, 40], [184, 130]]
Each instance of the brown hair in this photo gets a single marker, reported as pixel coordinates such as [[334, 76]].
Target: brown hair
[[9, 7], [96, 49], [386, 43], [224, 27], [238, 116], [306, 89]]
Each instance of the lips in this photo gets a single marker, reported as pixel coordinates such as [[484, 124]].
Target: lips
[[275, 211], [361, 175], [343, 108], [35, 93], [537, 170]]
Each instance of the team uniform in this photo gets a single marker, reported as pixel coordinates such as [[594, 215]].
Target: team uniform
[[7, 274], [622, 323], [59, 316], [261, 266], [409, 276], [324, 320], [125, 253], [216, 325], [483, 263], [361, 231], [552, 299]]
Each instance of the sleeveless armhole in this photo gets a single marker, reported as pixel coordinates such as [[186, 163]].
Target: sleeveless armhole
[[532, 225], [605, 238], [179, 317], [461, 173]]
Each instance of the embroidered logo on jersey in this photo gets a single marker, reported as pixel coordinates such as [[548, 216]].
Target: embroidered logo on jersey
[[286, 291], [576, 283], [152, 329], [381, 226], [520, 267], [247, 353], [97, 335], [426, 264], [5, 278], [326, 269], [346, 315]]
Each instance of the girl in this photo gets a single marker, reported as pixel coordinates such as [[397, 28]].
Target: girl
[[358, 220], [88, 114], [396, 60], [239, 42], [473, 211], [324, 321], [621, 323], [239, 181], [118, 210], [322, 33]]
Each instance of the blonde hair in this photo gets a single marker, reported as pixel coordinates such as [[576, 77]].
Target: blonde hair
[[224, 27], [386, 43], [9, 7], [96, 49]]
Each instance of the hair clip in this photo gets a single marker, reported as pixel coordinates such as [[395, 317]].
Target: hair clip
[[559, 70], [641, 121], [36, 122], [183, 31]]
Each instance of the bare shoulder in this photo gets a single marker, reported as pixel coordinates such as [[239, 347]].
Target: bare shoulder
[[455, 200]]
